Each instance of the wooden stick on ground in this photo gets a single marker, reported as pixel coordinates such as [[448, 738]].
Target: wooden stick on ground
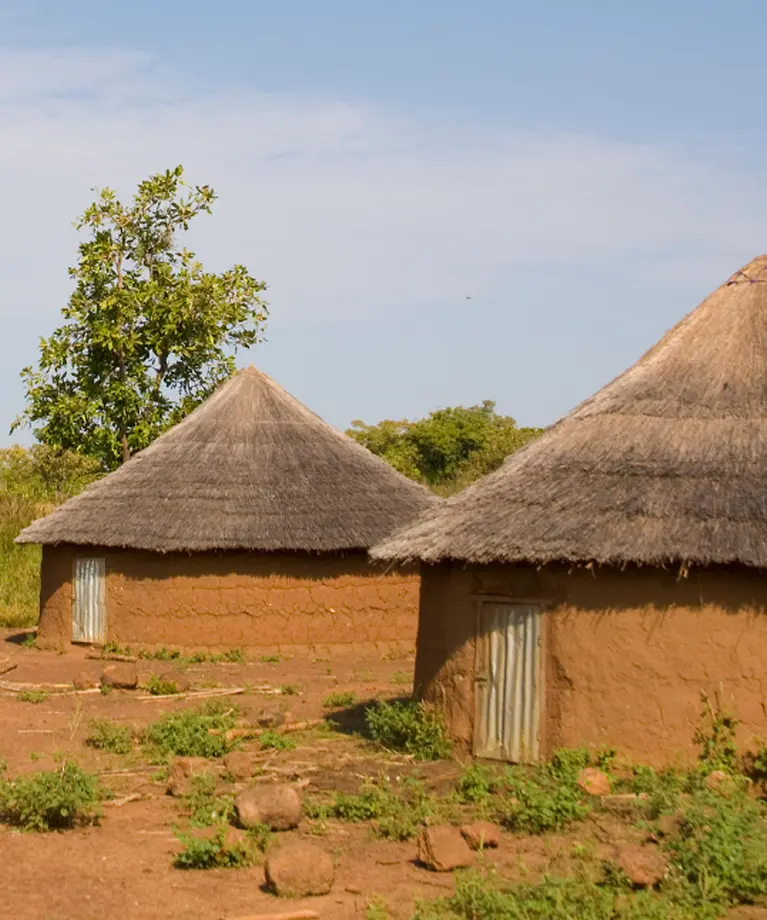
[[192, 695], [281, 730], [5, 668]]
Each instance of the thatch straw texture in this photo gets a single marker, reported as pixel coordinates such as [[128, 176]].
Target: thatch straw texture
[[668, 463], [251, 468]]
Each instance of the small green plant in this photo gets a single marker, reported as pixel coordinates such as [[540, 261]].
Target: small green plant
[[270, 659], [289, 690], [213, 852], [205, 807], [35, 755], [30, 640], [339, 699], [376, 909], [192, 733], [161, 654], [105, 735], [50, 800], [715, 737], [235, 656], [272, 740], [260, 837], [400, 678], [33, 696], [113, 648], [159, 686], [409, 727], [546, 797], [477, 784]]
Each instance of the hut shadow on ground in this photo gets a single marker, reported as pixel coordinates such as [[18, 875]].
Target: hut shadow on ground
[[351, 719]]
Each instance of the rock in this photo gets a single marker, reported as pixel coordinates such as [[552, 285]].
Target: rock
[[239, 764], [481, 835], [181, 772], [594, 781], [175, 677], [267, 719], [120, 676], [84, 681], [300, 869], [443, 849], [644, 866], [277, 806]]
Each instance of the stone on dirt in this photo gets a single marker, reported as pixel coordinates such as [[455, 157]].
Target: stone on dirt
[[644, 866], [84, 681], [300, 869], [120, 676], [443, 849], [239, 764], [481, 835], [278, 807], [270, 719], [594, 781], [181, 772]]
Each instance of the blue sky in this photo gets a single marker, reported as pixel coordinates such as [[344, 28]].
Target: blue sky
[[584, 173]]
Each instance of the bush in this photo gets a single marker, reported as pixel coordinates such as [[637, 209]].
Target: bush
[[188, 733], [212, 853], [52, 800], [33, 696], [110, 736], [159, 687], [338, 700], [477, 785], [408, 727], [721, 851], [271, 740], [205, 807], [715, 737]]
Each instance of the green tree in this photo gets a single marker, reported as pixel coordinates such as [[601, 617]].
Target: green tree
[[148, 333], [449, 448]]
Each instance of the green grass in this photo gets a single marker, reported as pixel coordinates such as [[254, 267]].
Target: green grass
[[271, 740], [339, 699], [19, 565], [158, 686]]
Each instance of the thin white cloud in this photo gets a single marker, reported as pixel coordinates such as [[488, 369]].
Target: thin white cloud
[[344, 210]]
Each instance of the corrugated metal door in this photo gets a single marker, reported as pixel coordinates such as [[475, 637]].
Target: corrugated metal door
[[89, 601], [508, 682]]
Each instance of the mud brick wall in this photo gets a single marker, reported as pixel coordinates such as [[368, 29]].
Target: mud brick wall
[[626, 654], [236, 599]]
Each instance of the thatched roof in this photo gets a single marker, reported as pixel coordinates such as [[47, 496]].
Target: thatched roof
[[251, 468], [666, 464]]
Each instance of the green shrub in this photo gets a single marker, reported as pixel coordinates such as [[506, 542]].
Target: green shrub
[[270, 659], [271, 740], [110, 736], [721, 850], [189, 733], [408, 727], [159, 686], [394, 816], [289, 690], [205, 807], [212, 852], [339, 699], [33, 696], [477, 784], [49, 800], [260, 836]]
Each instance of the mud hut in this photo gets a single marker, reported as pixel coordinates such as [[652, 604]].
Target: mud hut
[[247, 524], [609, 573]]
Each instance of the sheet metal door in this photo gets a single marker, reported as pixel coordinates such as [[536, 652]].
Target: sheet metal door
[[89, 601], [508, 679]]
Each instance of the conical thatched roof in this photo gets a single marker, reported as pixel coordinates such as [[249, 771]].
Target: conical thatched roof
[[251, 468], [668, 463]]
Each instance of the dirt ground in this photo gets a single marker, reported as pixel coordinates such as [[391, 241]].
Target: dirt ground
[[123, 867]]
